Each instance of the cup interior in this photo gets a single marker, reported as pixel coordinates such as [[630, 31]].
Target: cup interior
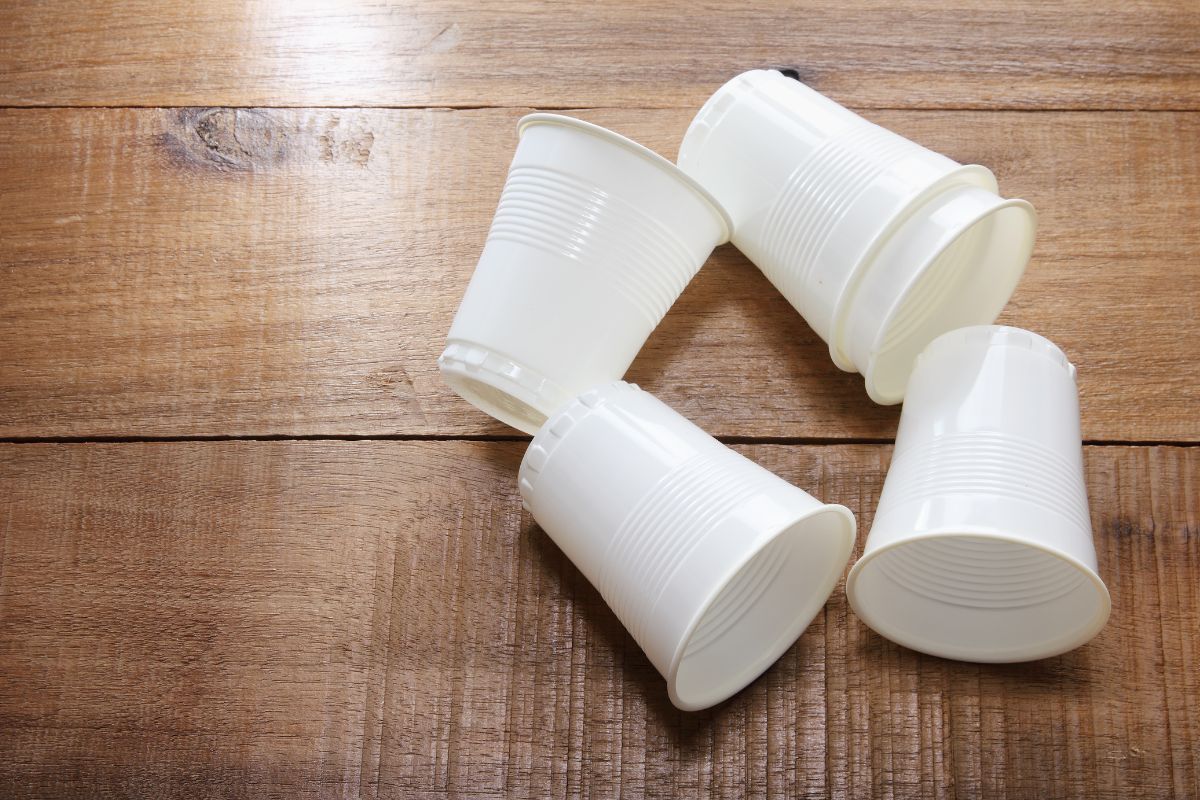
[[761, 609], [978, 598], [966, 283]]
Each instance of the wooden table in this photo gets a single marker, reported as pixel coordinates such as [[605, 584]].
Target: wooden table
[[250, 544]]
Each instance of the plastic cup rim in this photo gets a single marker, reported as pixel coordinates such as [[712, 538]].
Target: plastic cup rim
[[544, 118], [885, 398], [768, 658], [969, 175], [1061, 645]]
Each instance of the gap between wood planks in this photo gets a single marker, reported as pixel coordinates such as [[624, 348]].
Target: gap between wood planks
[[806, 441], [641, 106]]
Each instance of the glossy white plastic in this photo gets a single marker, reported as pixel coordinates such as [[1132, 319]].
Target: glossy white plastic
[[593, 240], [982, 546], [879, 243], [714, 564]]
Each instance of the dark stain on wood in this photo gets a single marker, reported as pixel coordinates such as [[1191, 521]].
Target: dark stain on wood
[[227, 139]]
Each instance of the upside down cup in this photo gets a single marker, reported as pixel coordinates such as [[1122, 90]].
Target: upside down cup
[[981, 548], [714, 564], [593, 240], [879, 243]]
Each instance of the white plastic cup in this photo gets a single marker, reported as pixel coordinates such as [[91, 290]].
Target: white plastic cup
[[982, 546], [880, 244], [594, 238], [714, 564]]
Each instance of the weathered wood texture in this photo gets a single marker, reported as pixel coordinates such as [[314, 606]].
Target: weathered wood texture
[[379, 618], [918, 53], [284, 272], [323, 619]]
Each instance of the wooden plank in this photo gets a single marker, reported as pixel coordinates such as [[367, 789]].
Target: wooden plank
[[179, 616], [1113, 719], [277, 272], [919, 53], [284, 619]]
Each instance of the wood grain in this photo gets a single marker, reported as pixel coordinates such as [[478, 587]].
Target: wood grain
[[218, 272], [321, 619], [179, 617], [231, 219], [917, 53]]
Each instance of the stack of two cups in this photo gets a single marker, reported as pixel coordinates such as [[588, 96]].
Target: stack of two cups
[[713, 564]]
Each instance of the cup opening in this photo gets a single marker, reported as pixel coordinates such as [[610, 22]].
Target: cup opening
[[978, 597], [967, 283], [644, 152], [761, 609]]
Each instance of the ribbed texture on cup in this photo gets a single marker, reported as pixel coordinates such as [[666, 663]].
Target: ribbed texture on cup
[[818, 195], [668, 523], [562, 215], [739, 597], [979, 572], [988, 464]]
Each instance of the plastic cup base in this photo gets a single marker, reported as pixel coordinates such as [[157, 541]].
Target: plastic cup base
[[499, 387]]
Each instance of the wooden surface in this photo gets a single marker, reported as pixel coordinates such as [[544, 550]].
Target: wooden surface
[[916, 53], [238, 231], [277, 272], [380, 618]]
